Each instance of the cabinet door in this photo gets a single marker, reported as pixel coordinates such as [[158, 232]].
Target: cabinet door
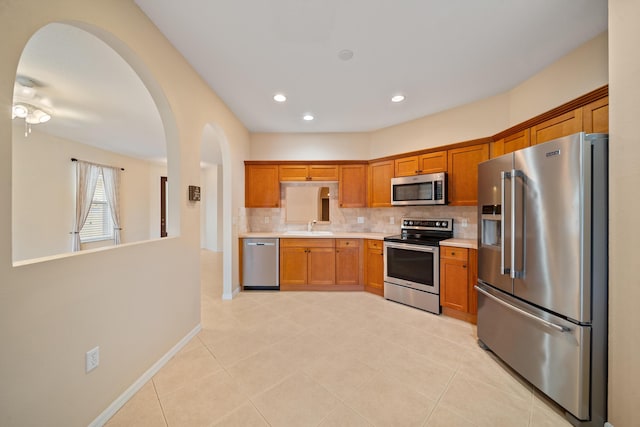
[[323, 172], [566, 124], [473, 279], [293, 265], [294, 172], [517, 141], [353, 186], [374, 267], [321, 263], [380, 174], [348, 262], [463, 173], [596, 116], [262, 187], [406, 166], [454, 278], [433, 162]]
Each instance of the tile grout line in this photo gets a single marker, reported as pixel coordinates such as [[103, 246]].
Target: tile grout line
[[164, 416]]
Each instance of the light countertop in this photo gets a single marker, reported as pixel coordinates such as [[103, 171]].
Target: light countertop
[[460, 243]]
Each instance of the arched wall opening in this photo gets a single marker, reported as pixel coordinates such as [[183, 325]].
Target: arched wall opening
[[216, 231], [76, 72]]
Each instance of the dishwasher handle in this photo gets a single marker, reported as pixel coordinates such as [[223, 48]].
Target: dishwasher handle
[[260, 244]]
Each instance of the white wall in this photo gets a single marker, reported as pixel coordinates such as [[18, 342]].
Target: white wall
[[43, 191], [310, 146], [135, 301], [624, 205], [210, 209], [579, 72]]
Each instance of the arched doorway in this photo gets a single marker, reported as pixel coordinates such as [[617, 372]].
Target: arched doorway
[[215, 210]]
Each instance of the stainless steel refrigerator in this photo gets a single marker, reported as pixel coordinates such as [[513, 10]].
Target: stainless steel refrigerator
[[542, 269]]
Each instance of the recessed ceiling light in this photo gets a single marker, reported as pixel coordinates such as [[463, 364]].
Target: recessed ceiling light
[[397, 98], [307, 117], [278, 97], [345, 54]]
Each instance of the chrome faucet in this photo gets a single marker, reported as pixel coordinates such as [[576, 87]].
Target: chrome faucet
[[310, 225]]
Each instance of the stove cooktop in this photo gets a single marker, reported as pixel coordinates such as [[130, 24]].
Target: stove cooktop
[[423, 231]]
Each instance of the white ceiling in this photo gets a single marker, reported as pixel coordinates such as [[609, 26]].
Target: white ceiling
[[440, 54]]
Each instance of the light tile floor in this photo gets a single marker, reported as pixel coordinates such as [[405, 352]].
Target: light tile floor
[[330, 359]]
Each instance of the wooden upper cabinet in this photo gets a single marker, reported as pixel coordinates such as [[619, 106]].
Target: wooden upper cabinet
[[380, 174], [557, 127], [352, 186], [463, 173], [595, 116], [433, 162], [424, 163], [512, 143], [262, 187], [308, 172]]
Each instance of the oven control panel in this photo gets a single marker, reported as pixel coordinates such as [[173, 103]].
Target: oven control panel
[[435, 224]]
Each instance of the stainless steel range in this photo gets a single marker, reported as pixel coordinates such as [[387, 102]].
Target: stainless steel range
[[412, 262]]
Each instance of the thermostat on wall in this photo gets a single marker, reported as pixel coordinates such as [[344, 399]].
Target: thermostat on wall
[[194, 193]]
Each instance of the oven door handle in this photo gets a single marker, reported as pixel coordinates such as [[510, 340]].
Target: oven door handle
[[410, 247]]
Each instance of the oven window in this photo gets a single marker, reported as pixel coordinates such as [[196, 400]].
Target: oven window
[[412, 192], [414, 266]]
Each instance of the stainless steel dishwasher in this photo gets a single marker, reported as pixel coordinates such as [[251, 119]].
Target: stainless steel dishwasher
[[261, 264]]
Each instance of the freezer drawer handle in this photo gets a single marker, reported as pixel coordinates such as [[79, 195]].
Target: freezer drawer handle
[[555, 326]]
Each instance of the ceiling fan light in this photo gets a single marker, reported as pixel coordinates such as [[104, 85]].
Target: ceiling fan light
[[44, 118], [20, 111]]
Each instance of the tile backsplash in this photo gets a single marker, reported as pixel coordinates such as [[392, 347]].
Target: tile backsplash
[[375, 220]]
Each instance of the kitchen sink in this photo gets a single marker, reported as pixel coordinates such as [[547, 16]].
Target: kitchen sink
[[308, 233]]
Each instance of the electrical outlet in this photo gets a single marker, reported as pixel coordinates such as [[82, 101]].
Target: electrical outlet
[[266, 220], [464, 222], [392, 220], [360, 220], [92, 359]]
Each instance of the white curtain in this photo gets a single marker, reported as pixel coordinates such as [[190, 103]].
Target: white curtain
[[86, 179], [111, 177]]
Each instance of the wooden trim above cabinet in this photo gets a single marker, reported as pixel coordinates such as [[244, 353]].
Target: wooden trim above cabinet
[[579, 102]]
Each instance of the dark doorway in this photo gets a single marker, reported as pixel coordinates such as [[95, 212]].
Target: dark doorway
[[163, 206]]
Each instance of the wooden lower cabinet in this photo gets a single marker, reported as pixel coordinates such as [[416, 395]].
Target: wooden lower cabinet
[[458, 276], [320, 264], [374, 267], [348, 262]]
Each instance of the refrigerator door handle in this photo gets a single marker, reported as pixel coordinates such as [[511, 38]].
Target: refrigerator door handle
[[503, 178], [515, 274], [551, 325]]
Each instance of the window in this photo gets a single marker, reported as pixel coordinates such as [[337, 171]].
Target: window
[[99, 225]]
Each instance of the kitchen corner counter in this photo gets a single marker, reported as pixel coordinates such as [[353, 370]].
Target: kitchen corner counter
[[460, 243], [334, 235]]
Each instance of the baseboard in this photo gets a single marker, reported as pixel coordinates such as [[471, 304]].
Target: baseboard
[[140, 382], [232, 295]]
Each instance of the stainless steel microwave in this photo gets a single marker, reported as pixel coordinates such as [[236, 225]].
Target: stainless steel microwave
[[428, 189]]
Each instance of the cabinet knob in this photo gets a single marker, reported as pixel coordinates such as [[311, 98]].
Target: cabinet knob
[[464, 266]]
